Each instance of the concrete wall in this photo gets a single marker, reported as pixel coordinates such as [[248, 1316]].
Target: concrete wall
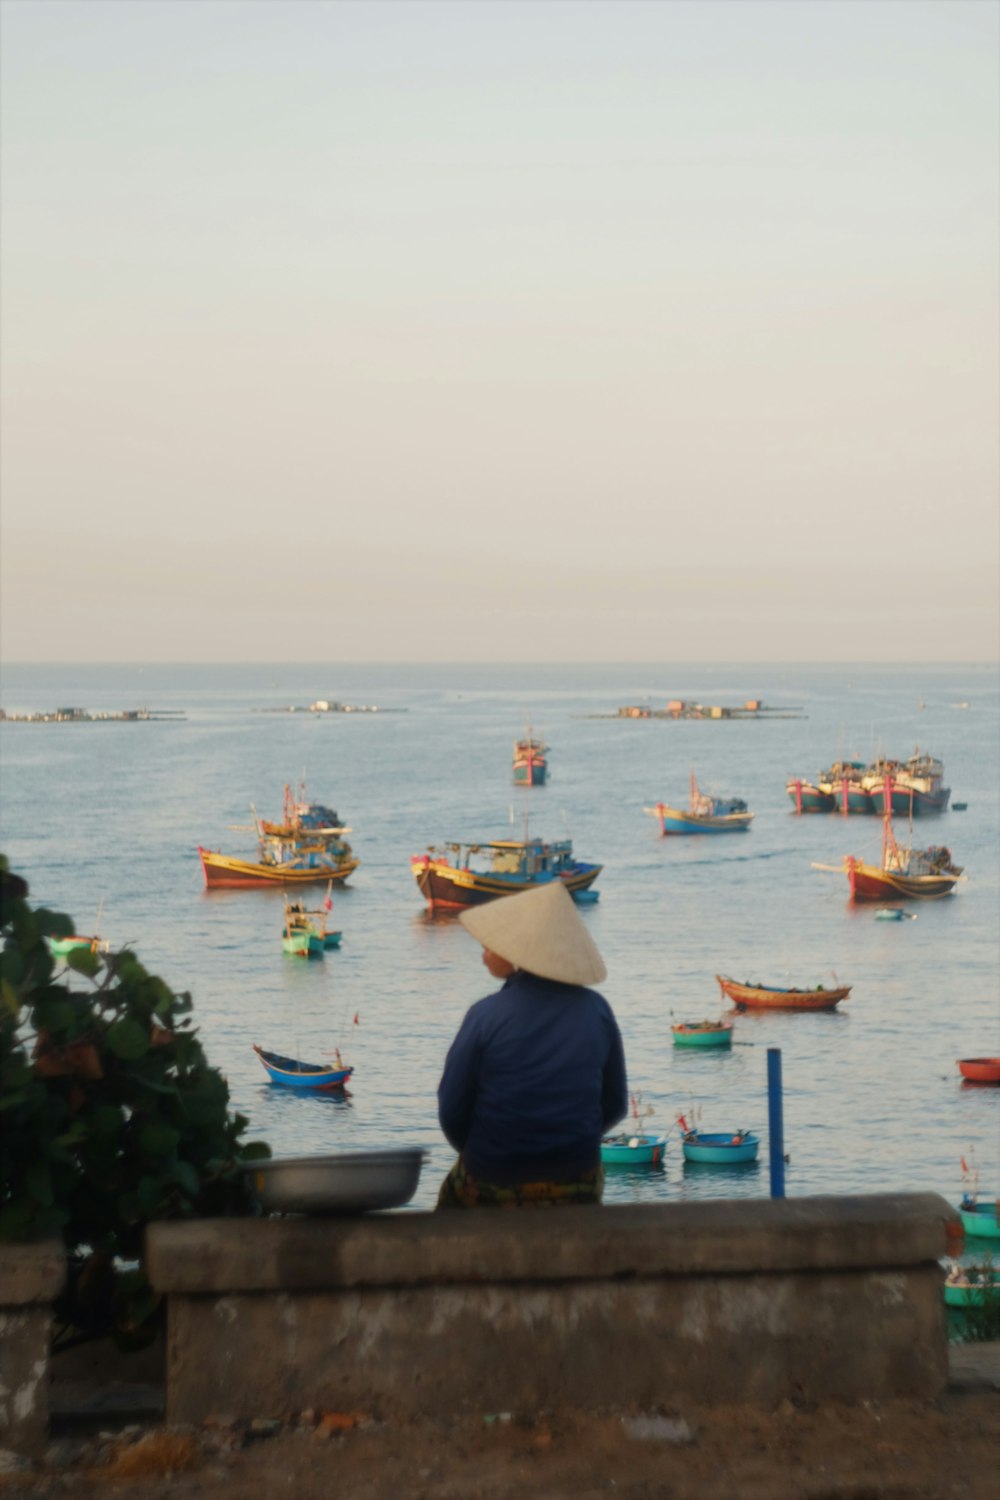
[[423, 1314], [31, 1276]]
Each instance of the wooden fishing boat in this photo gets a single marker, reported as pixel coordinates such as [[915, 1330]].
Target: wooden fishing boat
[[290, 1073], [845, 782], [722, 1148], [448, 881], [703, 1034], [914, 788], [530, 764], [980, 1069], [632, 1150], [808, 797], [307, 846], [980, 1218], [305, 932], [905, 874], [770, 997], [705, 814]]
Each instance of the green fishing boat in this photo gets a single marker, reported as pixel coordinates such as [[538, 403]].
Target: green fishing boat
[[703, 1034]]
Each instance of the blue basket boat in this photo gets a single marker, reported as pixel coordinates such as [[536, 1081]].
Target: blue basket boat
[[980, 1218], [633, 1150], [722, 1148], [293, 1074]]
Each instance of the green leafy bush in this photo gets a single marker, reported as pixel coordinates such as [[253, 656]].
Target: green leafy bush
[[110, 1114]]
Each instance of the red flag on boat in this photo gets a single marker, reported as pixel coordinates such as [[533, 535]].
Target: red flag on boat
[[356, 1021], [963, 1163], [328, 904], [682, 1122]]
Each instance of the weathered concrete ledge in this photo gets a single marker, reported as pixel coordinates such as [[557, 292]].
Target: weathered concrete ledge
[[435, 1314], [31, 1277]]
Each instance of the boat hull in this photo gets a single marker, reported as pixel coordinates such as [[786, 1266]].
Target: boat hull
[[674, 820], [957, 1295], [761, 997], [298, 945], [721, 1150], [697, 1036], [981, 1222], [809, 798], [647, 1152], [222, 871], [871, 883], [908, 801], [530, 772], [980, 1069], [59, 947], [448, 888]]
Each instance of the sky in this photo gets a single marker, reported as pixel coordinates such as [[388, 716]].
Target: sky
[[533, 330]]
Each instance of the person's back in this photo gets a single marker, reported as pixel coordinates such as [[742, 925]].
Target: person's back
[[536, 1074]]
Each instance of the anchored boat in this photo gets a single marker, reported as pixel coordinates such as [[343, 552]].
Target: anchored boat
[[905, 874], [305, 932], [293, 1074], [769, 997], [980, 1069], [530, 764], [720, 1148], [449, 880], [307, 846], [705, 814], [703, 1034]]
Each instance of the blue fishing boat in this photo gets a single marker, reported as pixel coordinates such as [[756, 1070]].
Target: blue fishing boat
[[721, 1148], [980, 1217], [530, 764], [704, 815], [293, 1074], [633, 1150]]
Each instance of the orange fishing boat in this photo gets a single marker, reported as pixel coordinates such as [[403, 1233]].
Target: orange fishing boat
[[980, 1069], [904, 874], [768, 997], [307, 846]]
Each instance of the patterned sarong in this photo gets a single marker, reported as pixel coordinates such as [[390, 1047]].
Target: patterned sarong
[[461, 1190]]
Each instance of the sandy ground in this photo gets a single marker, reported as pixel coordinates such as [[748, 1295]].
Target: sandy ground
[[899, 1451]]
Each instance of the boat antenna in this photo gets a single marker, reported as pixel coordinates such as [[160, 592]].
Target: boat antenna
[[97, 923]]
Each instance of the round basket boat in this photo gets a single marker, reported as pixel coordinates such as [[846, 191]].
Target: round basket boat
[[968, 1293], [703, 1034], [722, 1148], [980, 1069], [633, 1150], [981, 1220], [353, 1183]]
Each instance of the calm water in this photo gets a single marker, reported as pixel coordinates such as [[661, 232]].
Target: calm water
[[111, 814]]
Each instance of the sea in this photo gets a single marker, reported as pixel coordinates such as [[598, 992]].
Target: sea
[[103, 819]]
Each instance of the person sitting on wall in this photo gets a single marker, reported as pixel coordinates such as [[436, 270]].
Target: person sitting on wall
[[536, 1074]]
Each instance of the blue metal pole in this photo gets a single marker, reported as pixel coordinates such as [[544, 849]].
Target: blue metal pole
[[775, 1122]]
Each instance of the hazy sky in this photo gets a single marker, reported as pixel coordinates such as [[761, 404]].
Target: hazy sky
[[558, 330]]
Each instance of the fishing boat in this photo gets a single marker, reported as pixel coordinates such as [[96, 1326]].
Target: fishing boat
[[914, 788], [632, 1150], [889, 914], [846, 784], [530, 764], [980, 1217], [59, 947], [808, 797], [305, 932], [905, 874], [770, 997], [980, 1069], [293, 1074], [972, 1286], [307, 846], [449, 880], [705, 814], [703, 1034], [725, 1148]]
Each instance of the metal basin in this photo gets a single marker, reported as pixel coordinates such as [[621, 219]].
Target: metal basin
[[354, 1183]]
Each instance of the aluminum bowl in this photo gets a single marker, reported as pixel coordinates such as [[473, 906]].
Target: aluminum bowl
[[354, 1183]]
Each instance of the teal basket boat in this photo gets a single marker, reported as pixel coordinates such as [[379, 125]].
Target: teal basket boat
[[721, 1149], [633, 1150], [980, 1219], [703, 1034], [969, 1293]]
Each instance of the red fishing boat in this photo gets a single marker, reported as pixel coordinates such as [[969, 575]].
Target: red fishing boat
[[769, 997], [905, 874]]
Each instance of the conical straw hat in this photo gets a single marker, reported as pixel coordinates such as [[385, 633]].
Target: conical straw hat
[[541, 931]]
